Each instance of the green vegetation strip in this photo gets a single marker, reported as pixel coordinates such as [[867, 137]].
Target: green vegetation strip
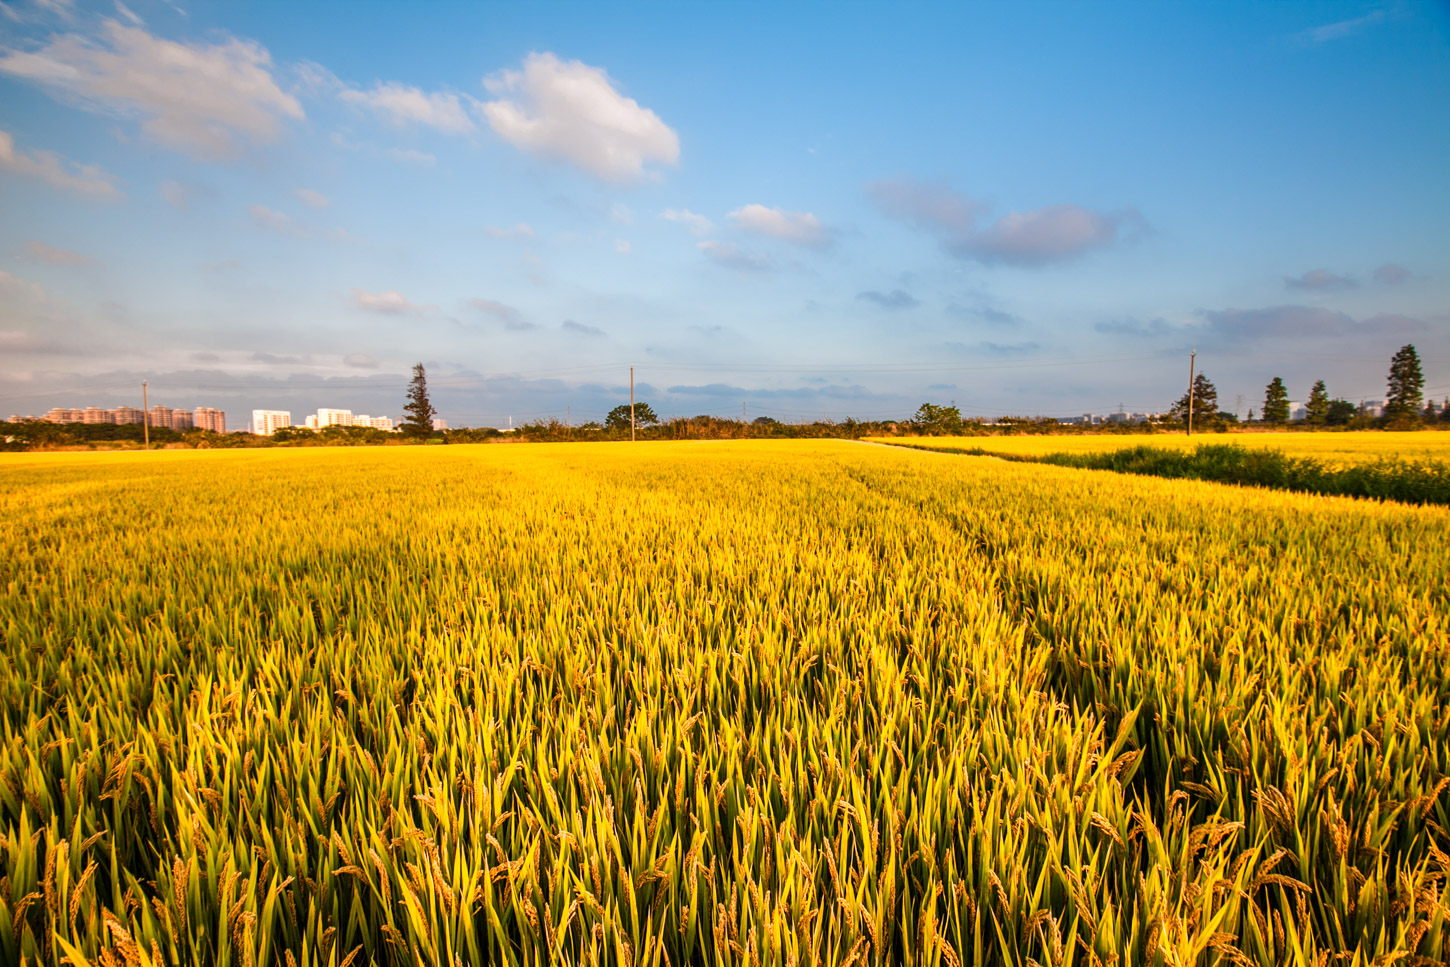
[[1408, 481]]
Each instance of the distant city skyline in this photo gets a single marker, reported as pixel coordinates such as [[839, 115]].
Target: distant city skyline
[[801, 212]]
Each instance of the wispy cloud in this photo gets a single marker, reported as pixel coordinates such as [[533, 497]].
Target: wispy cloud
[[800, 228], [1057, 233], [1391, 274], [732, 257], [1300, 322], [521, 230], [1035, 238], [312, 198], [403, 105], [207, 100], [1320, 280], [571, 112], [580, 328], [505, 314], [697, 224], [390, 303], [40, 252], [930, 205], [895, 299], [1341, 28], [359, 361], [52, 169]]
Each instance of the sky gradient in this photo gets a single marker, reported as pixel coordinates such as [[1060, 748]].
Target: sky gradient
[[800, 211]]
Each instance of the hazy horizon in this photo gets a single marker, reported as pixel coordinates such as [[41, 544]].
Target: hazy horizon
[[811, 211]]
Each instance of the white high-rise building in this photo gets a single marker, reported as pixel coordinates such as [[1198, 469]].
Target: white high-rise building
[[267, 422], [376, 422], [329, 417]]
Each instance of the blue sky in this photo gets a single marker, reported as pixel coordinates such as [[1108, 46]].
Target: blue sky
[[803, 210]]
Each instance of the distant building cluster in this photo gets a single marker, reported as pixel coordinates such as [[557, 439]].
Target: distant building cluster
[[203, 417], [267, 422], [1122, 416]]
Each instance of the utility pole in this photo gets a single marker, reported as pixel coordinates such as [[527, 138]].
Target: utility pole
[[1191, 358], [145, 417], [569, 417], [743, 417], [631, 404]]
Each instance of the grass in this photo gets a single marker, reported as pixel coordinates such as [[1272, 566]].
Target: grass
[[727, 703]]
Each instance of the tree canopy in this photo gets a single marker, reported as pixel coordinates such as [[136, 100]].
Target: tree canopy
[[618, 418], [1276, 402], [1205, 401], [1316, 410], [1406, 385], [419, 412]]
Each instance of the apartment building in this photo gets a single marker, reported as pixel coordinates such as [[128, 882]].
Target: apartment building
[[207, 418], [160, 416], [267, 422]]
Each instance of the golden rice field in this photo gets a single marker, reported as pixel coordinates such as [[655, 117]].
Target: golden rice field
[[713, 703], [1334, 449]]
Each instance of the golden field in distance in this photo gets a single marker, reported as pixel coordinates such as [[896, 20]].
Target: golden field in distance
[[713, 703], [1332, 448]]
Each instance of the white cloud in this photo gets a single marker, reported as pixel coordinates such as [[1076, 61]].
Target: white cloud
[[569, 111], [201, 99], [312, 199], [521, 230], [801, 228], [50, 167], [621, 246], [389, 303], [732, 257], [360, 361], [40, 252], [697, 224], [129, 14], [402, 104], [620, 214]]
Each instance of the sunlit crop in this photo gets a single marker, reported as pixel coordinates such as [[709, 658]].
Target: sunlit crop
[[712, 703], [1333, 449]]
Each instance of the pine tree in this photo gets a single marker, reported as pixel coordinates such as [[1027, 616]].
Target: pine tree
[[418, 422], [1205, 402], [1276, 402], [1316, 410], [1407, 385]]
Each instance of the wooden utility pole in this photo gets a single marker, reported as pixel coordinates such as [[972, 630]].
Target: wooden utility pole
[[631, 404], [145, 418], [1191, 357]]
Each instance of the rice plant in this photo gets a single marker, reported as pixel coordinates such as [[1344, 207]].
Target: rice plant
[[727, 703]]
